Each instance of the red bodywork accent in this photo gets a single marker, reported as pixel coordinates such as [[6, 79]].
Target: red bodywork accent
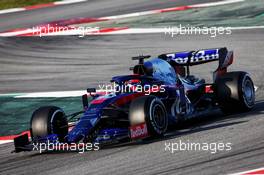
[[128, 98], [11, 137], [134, 81], [98, 101], [209, 89]]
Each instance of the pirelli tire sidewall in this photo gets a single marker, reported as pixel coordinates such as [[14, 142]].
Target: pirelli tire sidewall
[[48, 120], [231, 92], [149, 110]]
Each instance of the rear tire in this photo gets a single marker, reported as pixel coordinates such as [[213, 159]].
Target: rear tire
[[235, 92], [149, 110], [49, 120]]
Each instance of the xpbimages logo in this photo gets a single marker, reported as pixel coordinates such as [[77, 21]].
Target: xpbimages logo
[[131, 87], [212, 147], [57, 146], [196, 30], [62, 30]]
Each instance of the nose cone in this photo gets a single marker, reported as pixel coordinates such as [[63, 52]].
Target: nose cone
[[75, 136], [80, 131], [82, 128]]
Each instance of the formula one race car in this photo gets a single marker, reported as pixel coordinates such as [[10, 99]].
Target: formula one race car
[[159, 94]]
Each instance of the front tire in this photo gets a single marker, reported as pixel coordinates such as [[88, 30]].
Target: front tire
[[149, 110], [235, 92], [48, 120]]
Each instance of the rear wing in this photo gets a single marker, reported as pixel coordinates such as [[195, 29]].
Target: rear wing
[[190, 58]]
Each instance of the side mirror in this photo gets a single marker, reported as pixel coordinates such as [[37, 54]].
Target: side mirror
[[85, 97], [90, 90]]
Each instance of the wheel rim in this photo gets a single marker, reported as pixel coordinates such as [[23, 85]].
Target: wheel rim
[[248, 92], [57, 122], [159, 116]]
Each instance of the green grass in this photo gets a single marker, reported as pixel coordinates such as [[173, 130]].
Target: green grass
[[6, 4], [15, 113]]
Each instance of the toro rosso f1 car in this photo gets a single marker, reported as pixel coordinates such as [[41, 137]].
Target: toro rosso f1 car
[[172, 95]]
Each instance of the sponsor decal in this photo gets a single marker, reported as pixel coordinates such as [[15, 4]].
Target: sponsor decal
[[138, 131], [197, 57]]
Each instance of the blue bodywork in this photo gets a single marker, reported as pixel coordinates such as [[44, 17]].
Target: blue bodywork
[[106, 118], [159, 71]]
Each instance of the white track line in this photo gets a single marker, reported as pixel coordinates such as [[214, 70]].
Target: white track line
[[15, 33], [160, 30], [55, 94], [46, 94], [11, 10], [123, 31], [5, 141], [129, 15], [247, 27], [52, 94], [211, 4], [68, 2]]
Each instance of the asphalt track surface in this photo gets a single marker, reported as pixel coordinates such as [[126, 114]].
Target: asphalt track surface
[[70, 63]]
